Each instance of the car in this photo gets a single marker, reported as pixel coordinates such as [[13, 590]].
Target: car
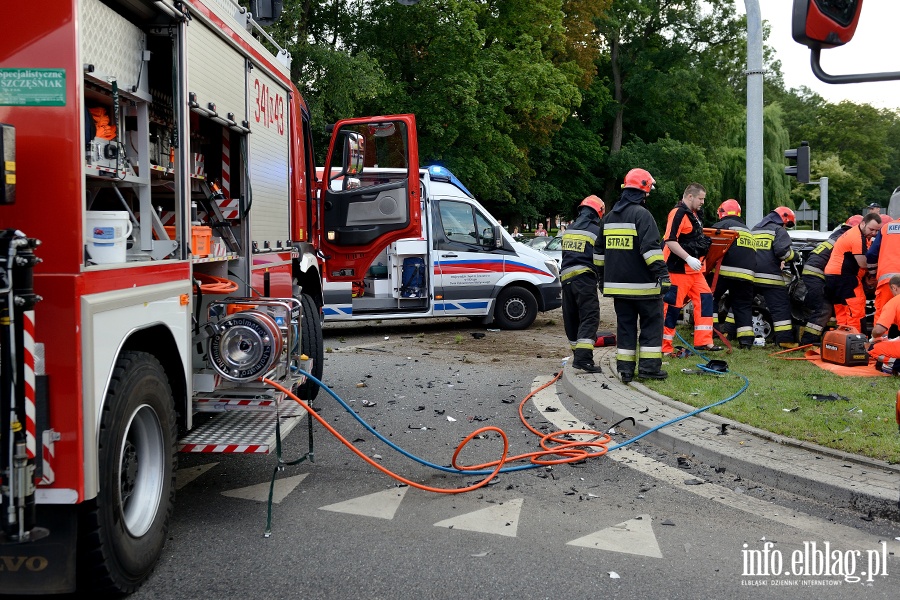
[[538, 242], [553, 249]]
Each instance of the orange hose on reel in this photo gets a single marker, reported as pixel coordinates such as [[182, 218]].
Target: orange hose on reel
[[211, 284]]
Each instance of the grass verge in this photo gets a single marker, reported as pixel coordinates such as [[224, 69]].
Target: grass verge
[[778, 399]]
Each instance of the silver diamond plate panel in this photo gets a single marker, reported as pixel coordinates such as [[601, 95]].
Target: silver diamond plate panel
[[242, 428], [112, 44]]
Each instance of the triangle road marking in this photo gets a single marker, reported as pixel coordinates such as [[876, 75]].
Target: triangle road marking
[[381, 505], [500, 519], [260, 491], [634, 536], [187, 475]]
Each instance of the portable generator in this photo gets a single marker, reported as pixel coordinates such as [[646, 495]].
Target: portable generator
[[844, 346]]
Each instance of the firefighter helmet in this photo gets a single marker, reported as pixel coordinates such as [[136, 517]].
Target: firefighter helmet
[[787, 216], [853, 221], [729, 208], [595, 203], [640, 179]]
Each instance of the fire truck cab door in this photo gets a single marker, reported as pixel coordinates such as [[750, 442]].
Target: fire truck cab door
[[370, 190]]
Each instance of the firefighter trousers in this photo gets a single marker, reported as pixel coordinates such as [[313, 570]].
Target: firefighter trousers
[[688, 285], [738, 323], [645, 348], [817, 310], [581, 315], [779, 307]]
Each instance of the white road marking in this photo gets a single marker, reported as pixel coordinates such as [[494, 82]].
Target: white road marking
[[634, 536], [381, 505], [500, 519], [819, 528], [185, 476], [260, 491]]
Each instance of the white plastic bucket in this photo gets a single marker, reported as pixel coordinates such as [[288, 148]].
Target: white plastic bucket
[[106, 232]]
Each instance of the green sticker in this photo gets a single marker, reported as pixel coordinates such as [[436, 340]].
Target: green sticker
[[32, 87]]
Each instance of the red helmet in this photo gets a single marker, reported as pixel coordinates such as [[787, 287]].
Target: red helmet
[[640, 179], [853, 221], [595, 203], [787, 216], [729, 208]]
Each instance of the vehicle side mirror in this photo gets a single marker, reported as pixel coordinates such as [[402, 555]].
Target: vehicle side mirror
[[354, 153], [825, 23], [498, 236]]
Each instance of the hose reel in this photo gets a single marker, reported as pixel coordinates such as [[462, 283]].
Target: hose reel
[[252, 337]]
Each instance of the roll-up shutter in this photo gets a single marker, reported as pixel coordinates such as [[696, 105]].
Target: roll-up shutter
[[269, 159], [215, 72]]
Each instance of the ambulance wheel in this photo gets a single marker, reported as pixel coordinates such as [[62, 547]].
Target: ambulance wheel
[[124, 528], [312, 345], [516, 308]]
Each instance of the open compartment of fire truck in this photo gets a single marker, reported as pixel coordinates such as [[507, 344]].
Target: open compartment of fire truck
[[149, 194]]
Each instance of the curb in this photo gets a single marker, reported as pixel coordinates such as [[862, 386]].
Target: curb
[[840, 478]]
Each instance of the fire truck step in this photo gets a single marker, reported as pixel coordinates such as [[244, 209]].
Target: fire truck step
[[241, 431], [231, 401]]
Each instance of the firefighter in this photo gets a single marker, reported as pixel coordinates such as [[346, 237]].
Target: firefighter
[[843, 287], [635, 277], [580, 277], [684, 250], [883, 261], [817, 310], [736, 275], [773, 247]]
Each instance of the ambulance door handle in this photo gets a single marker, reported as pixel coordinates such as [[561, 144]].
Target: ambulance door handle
[[449, 255]]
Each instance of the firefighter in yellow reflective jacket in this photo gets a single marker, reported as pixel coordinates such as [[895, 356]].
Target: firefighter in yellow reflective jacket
[[635, 276], [773, 247], [580, 275]]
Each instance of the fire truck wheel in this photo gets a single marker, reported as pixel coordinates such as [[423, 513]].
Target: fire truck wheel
[[311, 344], [125, 526], [516, 308]]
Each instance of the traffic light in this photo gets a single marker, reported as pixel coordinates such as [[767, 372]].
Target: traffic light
[[800, 169]]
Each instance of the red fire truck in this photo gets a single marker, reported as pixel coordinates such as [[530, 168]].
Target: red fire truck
[[163, 243]]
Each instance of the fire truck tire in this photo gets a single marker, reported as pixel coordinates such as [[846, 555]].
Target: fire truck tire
[[312, 345], [516, 308], [124, 528]]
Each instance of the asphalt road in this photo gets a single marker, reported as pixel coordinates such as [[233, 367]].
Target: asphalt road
[[636, 523]]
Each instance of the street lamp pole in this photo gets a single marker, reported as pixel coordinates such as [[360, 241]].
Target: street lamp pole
[[754, 113]]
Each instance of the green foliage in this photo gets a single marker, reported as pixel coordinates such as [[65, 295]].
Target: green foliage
[[535, 104]]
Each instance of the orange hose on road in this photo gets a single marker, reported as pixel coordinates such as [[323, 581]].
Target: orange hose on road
[[568, 450]]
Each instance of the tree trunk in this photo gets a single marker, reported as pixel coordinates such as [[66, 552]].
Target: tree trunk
[[616, 143]]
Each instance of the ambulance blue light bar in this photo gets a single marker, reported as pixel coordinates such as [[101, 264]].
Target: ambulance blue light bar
[[439, 173]]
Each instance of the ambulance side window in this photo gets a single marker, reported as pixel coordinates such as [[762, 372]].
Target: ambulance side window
[[457, 224]]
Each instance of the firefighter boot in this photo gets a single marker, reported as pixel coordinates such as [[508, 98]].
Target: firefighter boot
[[652, 375], [584, 361]]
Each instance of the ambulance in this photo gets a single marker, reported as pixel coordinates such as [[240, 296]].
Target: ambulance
[[463, 263]]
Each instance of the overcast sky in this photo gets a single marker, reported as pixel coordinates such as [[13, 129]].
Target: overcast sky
[[874, 48]]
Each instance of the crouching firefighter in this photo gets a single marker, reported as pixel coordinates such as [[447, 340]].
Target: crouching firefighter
[[773, 246], [580, 276], [736, 276], [635, 277]]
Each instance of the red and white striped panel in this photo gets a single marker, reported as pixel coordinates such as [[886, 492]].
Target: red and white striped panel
[[30, 394], [225, 448], [48, 476], [226, 163]]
